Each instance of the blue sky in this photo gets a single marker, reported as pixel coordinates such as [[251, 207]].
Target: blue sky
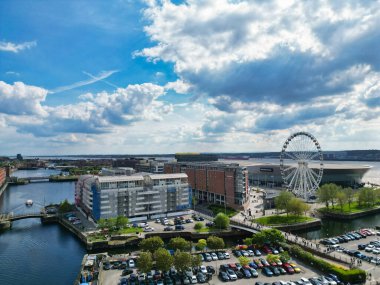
[[119, 76]]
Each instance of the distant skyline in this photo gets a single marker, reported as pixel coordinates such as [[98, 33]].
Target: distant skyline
[[133, 77]]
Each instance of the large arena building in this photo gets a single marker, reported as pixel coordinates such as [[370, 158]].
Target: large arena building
[[268, 175]]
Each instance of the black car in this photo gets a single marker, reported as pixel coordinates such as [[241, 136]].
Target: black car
[[123, 281], [210, 269], [179, 228], [275, 271], [126, 272], [361, 246], [107, 266], [224, 276], [209, 224], [223, 267], [167, 229], [239, 274]]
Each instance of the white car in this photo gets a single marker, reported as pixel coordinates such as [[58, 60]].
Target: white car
[[376, 251], [305, 281], [227, 255], [250, 252], [131, 263], [77, 222], [203, 269], [148, 229], [368, 248], [214, 256], [193, 280]]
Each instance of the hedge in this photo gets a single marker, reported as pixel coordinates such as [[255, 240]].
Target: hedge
[[346, 275]]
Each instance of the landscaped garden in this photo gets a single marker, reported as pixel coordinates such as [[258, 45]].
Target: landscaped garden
[[230, 212]]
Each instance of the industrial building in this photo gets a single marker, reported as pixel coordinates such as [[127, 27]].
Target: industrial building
[[214, 182], [138, 197]]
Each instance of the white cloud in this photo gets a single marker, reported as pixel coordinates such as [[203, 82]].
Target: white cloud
[[179, 86], [22, 99], [15, 48], [12, 73]]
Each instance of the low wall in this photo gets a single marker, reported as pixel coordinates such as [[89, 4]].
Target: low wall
[[342, 216]]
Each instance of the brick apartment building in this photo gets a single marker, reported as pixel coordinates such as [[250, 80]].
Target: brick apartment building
[[2, 176], [215, 182]]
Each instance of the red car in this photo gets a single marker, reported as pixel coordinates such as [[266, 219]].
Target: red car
[[267, 250], [288, 268]]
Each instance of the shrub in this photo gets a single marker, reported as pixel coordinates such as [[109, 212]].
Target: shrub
[[198, 226], [346, 275]]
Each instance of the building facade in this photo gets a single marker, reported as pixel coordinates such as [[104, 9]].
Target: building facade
[[215, 183], [117, 171], [135, 196], [3, 175]]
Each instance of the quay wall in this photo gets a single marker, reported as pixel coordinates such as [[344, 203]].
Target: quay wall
[[351, 216]]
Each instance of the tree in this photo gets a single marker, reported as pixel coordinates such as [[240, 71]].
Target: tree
[[284, 256], [214, 242], [121, 222], [366, 197], [182, 260], [350, 196], [102, 224], [179, 243], [151, 244], [327, 193], [201, 244], [221, 221], [198, 226], [248, 241], [341, 197], [196, 260], [272, 236], [164, 261], [282, 201], [243, 260], [272, 257], [65, 207], [144, 262]]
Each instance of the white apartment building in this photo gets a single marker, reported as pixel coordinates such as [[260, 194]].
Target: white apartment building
[[135, 196]]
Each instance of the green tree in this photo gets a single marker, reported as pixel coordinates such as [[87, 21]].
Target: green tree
[[327, 193], [144, 262], [102, 224], [243, 260], [214, 242], [179, 243], [164, 261], [284, 256], [341, 197], [198, 226], [201, 244], [182, 260], [282, 201], [350, 196], [272, 236], [121, 222], [196, 260], [65, 207], [367, 197], [272, 257], [295, 207], [151, 244], [248, 241], [221, 221]]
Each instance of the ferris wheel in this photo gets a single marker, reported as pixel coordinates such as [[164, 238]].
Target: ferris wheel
[[301, 164]]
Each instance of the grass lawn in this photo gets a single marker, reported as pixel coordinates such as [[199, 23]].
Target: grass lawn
[[208, 230], [280, 220], [130, 231], [95, 238], [220, 209], [346, 209]]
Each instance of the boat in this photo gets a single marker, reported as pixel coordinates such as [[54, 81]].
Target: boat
[[29, 202]]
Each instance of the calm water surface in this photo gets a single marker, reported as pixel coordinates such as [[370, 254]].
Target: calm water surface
[[32, 253]]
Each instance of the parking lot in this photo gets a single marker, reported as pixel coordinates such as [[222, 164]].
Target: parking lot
[[112, 276]]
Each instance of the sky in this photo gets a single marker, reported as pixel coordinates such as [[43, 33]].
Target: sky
[[135, 77]]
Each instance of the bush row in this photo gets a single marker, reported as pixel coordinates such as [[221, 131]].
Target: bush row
[[346, 275]]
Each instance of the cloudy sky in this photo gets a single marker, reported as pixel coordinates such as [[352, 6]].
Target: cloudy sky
[[123, 76]]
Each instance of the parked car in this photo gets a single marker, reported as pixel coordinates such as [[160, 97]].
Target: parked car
[[131, 263], [226, 255], [231, 274], [224, 276], [266, 271], [210, 269], [179, 228], [201, 277]]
